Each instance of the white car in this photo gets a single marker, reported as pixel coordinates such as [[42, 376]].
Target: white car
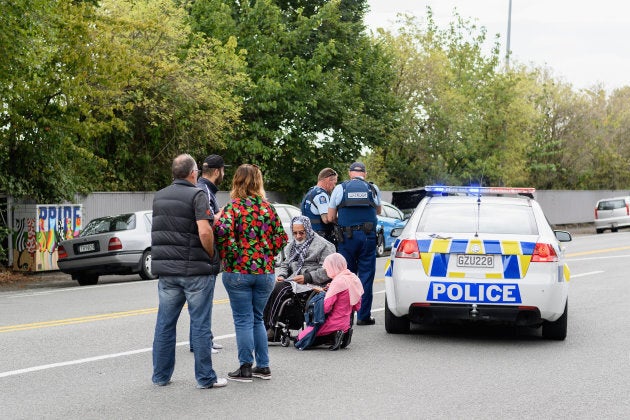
[[286, 212], [118, 244], [468, 255]]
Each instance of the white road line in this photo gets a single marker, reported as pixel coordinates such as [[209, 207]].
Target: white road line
[[585, 274], [569, 259], [92, 359], [74, 289]]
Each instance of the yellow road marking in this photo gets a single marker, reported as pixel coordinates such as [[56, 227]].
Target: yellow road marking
[[90, 318], [598, 251]]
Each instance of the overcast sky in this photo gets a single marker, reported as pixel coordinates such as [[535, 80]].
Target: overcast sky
[[583, 42]]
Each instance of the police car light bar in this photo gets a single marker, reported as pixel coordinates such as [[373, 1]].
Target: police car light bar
[[447, 189]]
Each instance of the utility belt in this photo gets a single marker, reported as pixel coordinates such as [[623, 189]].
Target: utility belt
[[342, 232]]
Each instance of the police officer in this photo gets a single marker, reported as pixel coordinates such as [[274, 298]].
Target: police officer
[[315, 204], [354, 204]]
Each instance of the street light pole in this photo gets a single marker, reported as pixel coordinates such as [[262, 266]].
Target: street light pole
[[509, 29]]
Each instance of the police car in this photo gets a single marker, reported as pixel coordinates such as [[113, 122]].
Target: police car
[[478, 255]]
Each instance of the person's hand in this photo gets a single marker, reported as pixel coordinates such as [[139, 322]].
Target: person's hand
[[318, 289], [279, 278], [299, 279]]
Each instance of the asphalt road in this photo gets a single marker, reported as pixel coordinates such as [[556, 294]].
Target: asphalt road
[[84, 352]]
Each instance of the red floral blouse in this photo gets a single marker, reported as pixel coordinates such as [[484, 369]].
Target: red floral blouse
[[249, 234]]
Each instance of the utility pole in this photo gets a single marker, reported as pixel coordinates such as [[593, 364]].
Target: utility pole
[[509, 29]]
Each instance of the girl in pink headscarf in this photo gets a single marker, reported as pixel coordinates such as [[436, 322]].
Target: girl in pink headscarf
[[342, 297]]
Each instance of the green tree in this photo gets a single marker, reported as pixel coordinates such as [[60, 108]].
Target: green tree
[[176, 91], [321, 88], [45, 54], [465, 119]]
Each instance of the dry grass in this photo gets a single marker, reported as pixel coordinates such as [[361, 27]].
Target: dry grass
[[9, 277]]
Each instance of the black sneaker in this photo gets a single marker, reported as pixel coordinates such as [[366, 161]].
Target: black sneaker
[[369, 321], [338, 339], [347, 338], [242, 374], [261, 372]]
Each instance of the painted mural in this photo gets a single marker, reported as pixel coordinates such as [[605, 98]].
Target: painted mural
[[39, 228]]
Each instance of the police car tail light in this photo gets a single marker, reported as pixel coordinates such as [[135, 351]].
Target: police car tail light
[[114, 244], [544, 253], [408, 248], [61, 252], [596, 212]]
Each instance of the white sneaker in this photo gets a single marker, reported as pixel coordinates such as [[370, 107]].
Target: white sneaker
[[217, 346], [214, 351], [220, 383]]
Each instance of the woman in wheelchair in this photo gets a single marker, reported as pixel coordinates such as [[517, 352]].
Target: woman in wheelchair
[[296, 277]]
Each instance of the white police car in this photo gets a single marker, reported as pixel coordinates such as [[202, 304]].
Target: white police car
[[478, 255]]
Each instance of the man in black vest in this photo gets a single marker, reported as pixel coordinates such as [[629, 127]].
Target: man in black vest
[[354, 204], [185, 259]]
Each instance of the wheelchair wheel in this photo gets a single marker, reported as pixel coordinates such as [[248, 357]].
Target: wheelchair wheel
[[285, 340]]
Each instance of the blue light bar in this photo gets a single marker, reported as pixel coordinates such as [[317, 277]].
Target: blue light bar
[[449, 189]]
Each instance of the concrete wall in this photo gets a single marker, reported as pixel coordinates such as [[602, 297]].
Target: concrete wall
[[566, 207], [100, 204], [560, 206]]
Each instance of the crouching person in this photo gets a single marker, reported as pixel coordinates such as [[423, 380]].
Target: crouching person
[[343, 297]]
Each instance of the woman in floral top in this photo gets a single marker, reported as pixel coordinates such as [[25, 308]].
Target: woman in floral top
[[249, 234]]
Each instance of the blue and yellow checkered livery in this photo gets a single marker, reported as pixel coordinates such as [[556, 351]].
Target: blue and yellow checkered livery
[[435, 254]]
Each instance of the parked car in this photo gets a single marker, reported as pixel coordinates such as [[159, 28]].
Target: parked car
[[118, 244], [469, 256], [391, 217], [612, 213], [286, 212]]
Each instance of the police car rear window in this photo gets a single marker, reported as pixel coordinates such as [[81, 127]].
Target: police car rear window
[[468, 218]]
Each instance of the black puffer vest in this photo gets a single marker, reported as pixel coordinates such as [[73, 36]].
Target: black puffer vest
[[176, 249]]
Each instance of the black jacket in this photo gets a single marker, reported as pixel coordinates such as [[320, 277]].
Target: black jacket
[[176, 249]]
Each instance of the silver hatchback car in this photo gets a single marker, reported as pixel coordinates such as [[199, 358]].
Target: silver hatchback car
[[612, 213], [118, 244]]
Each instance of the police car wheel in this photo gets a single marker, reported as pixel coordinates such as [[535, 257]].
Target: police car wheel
[[556, 330], [395, 324], [380, 245]]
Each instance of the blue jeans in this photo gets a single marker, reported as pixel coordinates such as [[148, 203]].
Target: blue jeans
[[248, 296], [173, 292], [360, 255]]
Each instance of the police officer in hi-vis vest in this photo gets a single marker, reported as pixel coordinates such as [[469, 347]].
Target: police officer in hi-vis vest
[[315, 204], [354, 204]]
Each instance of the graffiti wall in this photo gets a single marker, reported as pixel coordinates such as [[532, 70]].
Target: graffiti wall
[[38, 230]]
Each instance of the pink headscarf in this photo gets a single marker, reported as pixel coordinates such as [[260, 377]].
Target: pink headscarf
[[343, 279]]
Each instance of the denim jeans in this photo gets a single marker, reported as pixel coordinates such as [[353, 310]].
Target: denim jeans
[[360, 254], [173, 292], [248, 296]]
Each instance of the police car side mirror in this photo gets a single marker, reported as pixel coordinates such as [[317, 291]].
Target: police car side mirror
[[396, 232], [563, 235]]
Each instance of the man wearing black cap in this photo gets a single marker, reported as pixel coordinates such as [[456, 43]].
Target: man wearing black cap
[[212, 173], [354, 204]]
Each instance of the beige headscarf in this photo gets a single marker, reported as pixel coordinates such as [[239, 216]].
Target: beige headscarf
[[342, 278]]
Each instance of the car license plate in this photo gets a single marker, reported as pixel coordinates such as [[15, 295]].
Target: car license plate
[[480, 261], [87, 248]]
